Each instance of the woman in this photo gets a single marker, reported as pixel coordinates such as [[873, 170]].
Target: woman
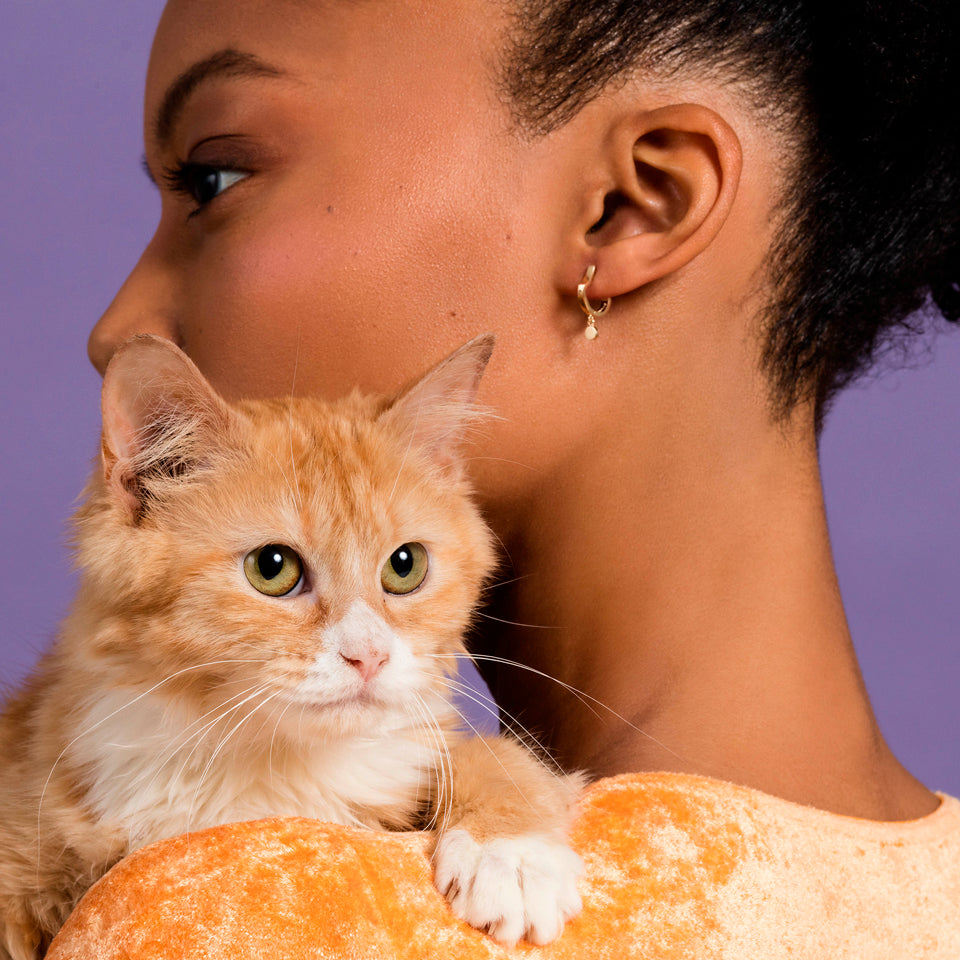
[[350, 192]]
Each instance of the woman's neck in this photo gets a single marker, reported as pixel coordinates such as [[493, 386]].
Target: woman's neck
[[695, 608]]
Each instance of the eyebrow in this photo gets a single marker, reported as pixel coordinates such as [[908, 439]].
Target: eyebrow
[[224, 63]]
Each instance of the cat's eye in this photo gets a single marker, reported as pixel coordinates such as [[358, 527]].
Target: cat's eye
[[405, 569], [274, 570]]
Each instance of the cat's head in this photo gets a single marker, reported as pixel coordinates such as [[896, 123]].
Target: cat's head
[[319, 561]]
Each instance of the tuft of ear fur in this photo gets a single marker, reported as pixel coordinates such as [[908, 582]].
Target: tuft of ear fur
[[157, 409], [437, 410]]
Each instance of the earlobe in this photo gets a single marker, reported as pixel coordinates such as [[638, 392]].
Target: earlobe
[[674, 173]]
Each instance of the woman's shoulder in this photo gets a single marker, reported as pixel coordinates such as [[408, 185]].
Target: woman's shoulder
[[675, 864]]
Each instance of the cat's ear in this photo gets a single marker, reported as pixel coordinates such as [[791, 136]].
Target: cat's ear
[[437, 410], [159, 414]]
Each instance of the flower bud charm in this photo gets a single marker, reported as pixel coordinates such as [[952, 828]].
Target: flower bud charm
[[592, 312]]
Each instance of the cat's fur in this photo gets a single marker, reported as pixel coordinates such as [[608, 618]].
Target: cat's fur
[[178, 697]]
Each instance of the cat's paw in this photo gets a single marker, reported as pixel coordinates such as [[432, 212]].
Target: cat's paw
[[511, 887]]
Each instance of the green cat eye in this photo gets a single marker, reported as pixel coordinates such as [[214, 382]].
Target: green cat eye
[[274, 570], [405, 569]]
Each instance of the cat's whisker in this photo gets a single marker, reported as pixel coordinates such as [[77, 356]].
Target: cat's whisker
[[406, 453], [317, 502], [444, 769], [221, 711], [422, 721], [468, 692], [294, 491], [584, 697], [222, 742], [415, 723], [293, 388], [419, 721], [482, 739], [249, 714], [296, 364], [284, 707], [120, 709], [509, 720], [503, 583], [503, 547], [130, 703], [514, 623], [184, 738], [512, 723], [516, 463], [269, 717], [303, 707], [219, 707]]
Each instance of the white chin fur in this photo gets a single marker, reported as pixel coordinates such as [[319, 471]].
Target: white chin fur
[[153, 775], [340, 743]]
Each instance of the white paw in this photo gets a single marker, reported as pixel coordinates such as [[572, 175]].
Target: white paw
[[511, 887]]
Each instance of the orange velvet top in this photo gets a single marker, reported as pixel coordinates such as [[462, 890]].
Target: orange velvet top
[[676, 866]]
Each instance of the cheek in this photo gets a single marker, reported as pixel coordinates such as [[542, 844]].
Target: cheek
[[257, 314], [353, 291]]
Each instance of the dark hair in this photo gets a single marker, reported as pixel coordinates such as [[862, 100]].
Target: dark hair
[[866, 94]]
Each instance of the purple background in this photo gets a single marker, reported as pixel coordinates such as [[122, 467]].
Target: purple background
[[76, 210]]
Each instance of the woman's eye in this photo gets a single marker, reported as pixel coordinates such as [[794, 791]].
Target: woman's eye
[[405, 569], [274, 570], [203, 183]]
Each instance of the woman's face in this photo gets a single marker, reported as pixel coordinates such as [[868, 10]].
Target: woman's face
[[343, 202]]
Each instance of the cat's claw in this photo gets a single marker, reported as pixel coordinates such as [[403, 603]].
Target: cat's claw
[[511, 887]]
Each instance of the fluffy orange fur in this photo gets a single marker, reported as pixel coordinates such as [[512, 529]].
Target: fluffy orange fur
[[178, 697]]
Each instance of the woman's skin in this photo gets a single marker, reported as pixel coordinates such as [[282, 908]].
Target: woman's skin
[[667, 543]]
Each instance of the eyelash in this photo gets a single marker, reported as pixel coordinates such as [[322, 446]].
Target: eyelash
[[180, 178]]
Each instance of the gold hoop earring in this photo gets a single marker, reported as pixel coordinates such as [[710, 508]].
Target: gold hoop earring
[[587, 307]]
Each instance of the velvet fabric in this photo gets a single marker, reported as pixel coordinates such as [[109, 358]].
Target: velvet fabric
[[676, 866]]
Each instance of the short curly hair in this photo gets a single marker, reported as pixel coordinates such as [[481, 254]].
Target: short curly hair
[[865, 90]]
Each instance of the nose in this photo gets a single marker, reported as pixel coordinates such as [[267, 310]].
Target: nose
[[368, 664], [144, 304]]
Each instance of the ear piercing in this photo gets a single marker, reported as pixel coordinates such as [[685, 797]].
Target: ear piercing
[[587, 307]]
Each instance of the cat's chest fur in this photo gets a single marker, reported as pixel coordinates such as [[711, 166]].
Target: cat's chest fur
[[158, 772]]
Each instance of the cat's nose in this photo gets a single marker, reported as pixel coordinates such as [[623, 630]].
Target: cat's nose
[[367, 664]]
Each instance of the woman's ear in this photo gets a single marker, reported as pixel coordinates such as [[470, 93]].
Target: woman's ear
[[672, 176]]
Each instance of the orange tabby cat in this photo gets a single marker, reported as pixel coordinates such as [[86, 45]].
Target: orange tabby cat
[[273, 600]]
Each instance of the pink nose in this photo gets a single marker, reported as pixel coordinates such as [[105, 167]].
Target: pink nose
[[368, 665]]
